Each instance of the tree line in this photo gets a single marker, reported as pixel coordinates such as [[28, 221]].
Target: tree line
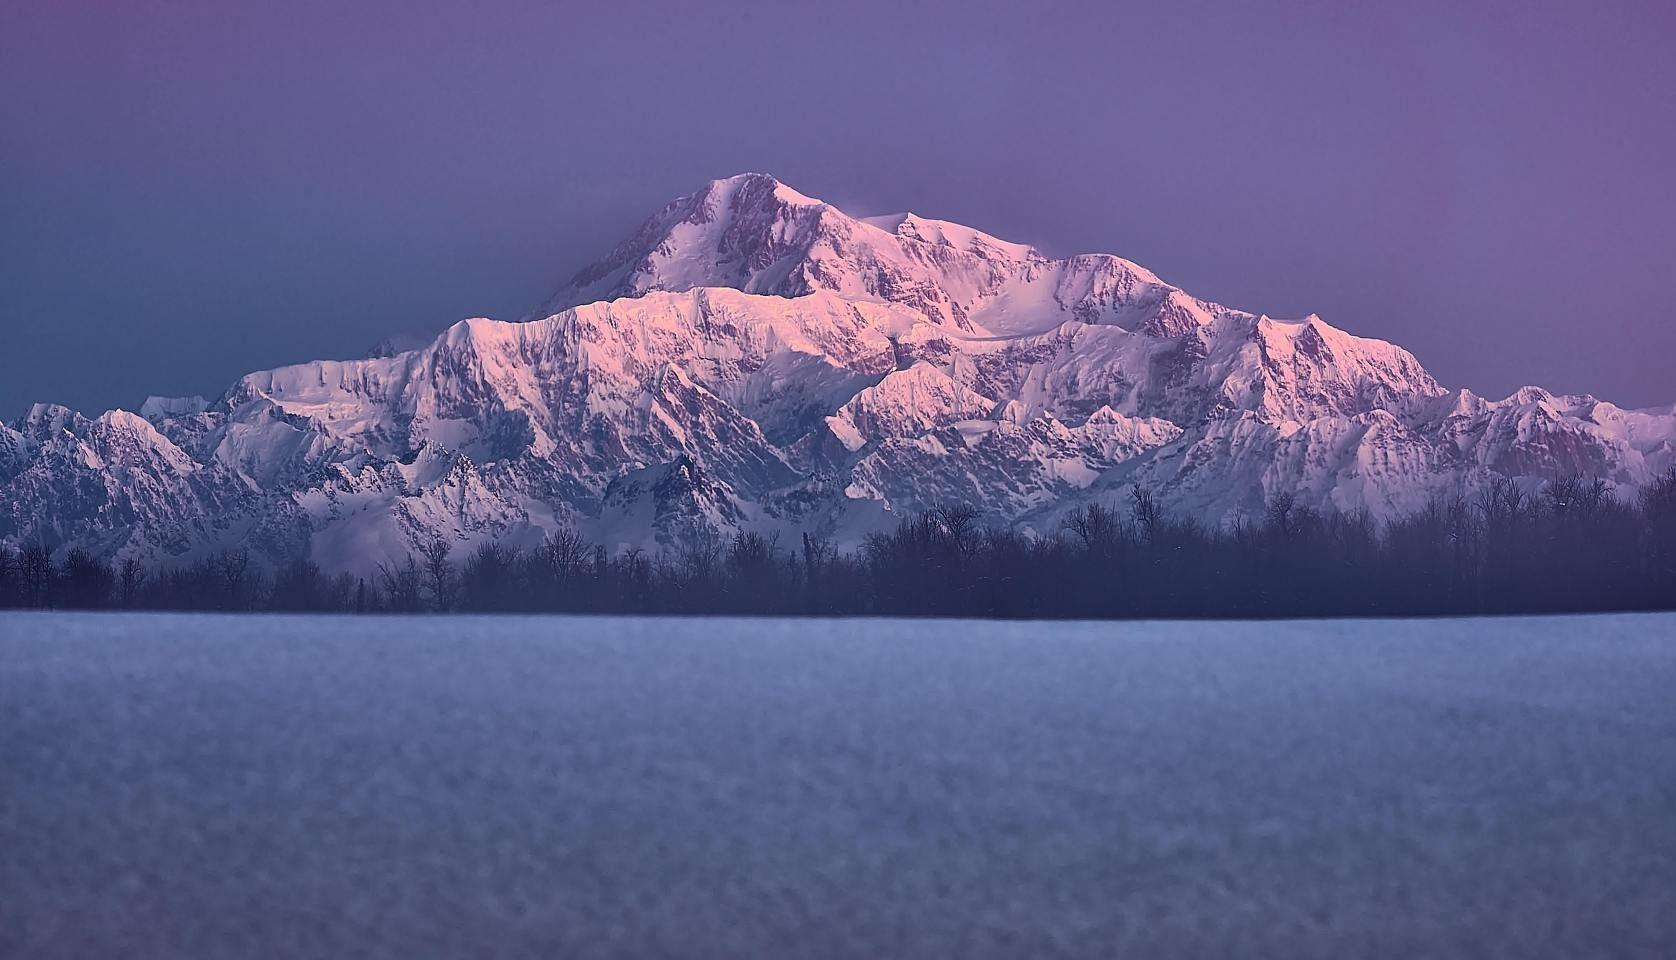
[[1574, 547]]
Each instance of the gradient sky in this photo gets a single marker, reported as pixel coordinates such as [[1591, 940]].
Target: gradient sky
[[191, 190]]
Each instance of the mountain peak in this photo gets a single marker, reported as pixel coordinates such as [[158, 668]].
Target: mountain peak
[[763, 182], [751, 232], [753, 358], [161, 408], [912, 226]]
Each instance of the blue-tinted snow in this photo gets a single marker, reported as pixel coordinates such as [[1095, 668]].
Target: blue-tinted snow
[[175, 786]]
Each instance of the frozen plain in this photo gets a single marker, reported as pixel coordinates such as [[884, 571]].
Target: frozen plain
[[228, 787]]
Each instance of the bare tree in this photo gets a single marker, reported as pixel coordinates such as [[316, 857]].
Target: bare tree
[[1658, 498], [1502, 504], [439, 573], [698, 556], [751, 554], [487, 582], [1281, 519], [1144, 509], [234, 565], [817, 553], [131, 577], [1571, 547], [404, 586], [563, 553], [1094, 526], [9, 588], [633, 571], [960, 524], [300, 587], [1572, 496], [35, 571], [86, 581]]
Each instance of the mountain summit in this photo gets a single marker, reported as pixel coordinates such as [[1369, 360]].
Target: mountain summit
[[755, 234], [753, 358]]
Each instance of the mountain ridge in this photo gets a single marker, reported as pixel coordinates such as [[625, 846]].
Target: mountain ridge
[[754, 358]]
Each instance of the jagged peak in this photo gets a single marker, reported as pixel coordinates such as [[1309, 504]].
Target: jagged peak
[[1461, 403], [474, 330], [1292, 328], [791, 352], [395, 344], [124, 420], [912, 226], [1314, 328], [729, 186], [758, 195], [38, 412], [1530, 394], [44, 419], [1105, 414], [161, 408]]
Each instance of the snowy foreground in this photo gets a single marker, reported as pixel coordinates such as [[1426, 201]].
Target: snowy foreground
[[181, 786]]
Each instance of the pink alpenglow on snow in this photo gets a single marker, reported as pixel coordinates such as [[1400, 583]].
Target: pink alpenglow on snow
[[755, 359]]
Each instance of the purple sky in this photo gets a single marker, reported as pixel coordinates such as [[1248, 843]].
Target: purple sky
[[190, 190]]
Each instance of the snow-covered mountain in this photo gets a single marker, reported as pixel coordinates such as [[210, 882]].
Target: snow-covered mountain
[[755, 234], [755, 359]]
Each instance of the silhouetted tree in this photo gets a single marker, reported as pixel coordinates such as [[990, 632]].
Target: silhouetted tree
[[487, 582], [11, 586], [1657, 509], [1096, 529], [300, 586], [1145, 512], [35, 574], [756, 580], [86, 582], [234, 568], [439, 573], [404, 586], [131, 578], [1570, 544], [558, 568]]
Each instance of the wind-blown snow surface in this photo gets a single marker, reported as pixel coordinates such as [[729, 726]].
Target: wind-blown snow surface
[[178, 786], [753, 358]]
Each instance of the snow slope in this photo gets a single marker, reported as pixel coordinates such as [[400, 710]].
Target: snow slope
[[255, 787]]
